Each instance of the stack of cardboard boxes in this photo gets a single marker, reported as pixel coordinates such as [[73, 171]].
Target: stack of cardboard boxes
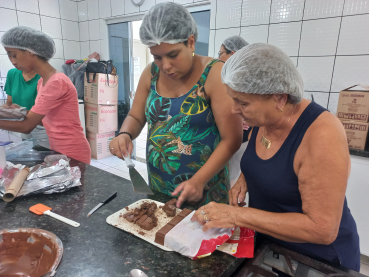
[[101, 99], [353, 111]]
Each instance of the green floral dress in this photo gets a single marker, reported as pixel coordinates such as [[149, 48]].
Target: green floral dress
[[182, 135]]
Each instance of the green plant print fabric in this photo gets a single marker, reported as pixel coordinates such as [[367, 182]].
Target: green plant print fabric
[[181, 136]]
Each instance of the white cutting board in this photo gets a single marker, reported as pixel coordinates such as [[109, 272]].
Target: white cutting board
[[118, 221]]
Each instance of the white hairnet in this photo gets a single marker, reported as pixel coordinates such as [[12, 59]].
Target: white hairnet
[[262, 68], [234, 43], [167, 22], [29, 39]]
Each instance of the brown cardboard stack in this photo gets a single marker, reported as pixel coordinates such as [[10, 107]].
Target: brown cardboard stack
[[101, 112], [353, 111]]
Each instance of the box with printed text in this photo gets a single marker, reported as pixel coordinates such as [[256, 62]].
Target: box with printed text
[[101, 118], [99, 144], [102, 89], [357, 133], [354, 104]]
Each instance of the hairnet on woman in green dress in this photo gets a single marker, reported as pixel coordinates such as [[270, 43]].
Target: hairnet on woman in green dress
[[262, 68], [29, 39], [234, 43], [169, 23]]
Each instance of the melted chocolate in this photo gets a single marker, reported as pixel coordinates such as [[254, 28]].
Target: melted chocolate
[[26, 254]]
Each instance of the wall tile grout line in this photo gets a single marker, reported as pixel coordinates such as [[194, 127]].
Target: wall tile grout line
[[270, 14], [335, 54], [16, 11], [302, 22], [239, 34], [61, 28], [39, 13]]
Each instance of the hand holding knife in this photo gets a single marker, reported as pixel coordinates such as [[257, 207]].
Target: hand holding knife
[[102, 203]]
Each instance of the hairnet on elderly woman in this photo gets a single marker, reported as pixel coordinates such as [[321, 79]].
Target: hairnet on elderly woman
[[262, 68], [34, 41], [169, 23]]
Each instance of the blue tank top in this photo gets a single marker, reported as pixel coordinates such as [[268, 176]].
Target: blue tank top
[[281, 178]]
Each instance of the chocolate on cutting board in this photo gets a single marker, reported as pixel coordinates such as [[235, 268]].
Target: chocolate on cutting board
[[160, 235], [170, 207], [143, 216]]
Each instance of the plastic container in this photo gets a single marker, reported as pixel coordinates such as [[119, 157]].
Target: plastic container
[[2, 156]]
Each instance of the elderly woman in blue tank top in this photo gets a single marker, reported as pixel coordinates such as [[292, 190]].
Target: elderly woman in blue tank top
[[296, 165]]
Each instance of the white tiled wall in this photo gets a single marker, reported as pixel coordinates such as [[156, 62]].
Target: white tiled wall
[[326, 39], [57, 18]]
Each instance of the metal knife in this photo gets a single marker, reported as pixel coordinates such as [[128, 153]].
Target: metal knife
[[139, 183], [102, 203]]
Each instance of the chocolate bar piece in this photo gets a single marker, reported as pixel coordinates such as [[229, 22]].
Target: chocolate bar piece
[[170, 207], [143, 216], [160, 235]]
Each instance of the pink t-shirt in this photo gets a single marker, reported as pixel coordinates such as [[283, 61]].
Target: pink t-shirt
[[58, 101]]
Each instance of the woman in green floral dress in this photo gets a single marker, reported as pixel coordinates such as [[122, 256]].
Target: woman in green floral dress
[[192, 133]]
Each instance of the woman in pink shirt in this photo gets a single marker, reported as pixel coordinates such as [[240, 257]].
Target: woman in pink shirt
[[56, 105]]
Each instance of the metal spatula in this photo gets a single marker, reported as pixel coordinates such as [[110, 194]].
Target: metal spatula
[[139, 183]]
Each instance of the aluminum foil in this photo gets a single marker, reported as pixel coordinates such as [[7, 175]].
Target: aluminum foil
[[56, 178], [60, 181], [46, 170]]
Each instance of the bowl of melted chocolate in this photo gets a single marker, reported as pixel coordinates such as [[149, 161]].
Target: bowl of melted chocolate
[[29, 252]]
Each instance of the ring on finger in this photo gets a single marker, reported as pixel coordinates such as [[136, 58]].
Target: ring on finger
[[206, 218], [110, 148], [202, 212]]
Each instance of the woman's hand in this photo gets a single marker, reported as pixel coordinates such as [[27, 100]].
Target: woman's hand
[[190, 191], [238, 192], [121, 146], [215, 215]]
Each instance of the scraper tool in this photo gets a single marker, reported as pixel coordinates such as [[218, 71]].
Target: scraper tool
[[40, 209], [139, 183]]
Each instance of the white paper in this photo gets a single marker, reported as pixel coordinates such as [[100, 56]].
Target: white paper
[[186, 237]]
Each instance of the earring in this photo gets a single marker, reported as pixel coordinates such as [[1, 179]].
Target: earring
[[280, 109], [193, 54]]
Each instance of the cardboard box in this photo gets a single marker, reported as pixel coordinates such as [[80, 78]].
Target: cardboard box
[[99, 91], [356, 133], [99, 144], [101, 118], [354, 104]]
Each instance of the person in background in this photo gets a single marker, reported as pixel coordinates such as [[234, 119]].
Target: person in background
[[230, 46], [296, 165], [56, 104], [227, 49], [21, 88], [192, 133]]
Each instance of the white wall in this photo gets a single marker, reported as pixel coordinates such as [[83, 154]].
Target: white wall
[[57, 18], [93, 28], [327, 39]]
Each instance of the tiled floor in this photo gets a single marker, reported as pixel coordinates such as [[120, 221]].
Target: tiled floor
[[118, 167], [141, 144], [364, 269]]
